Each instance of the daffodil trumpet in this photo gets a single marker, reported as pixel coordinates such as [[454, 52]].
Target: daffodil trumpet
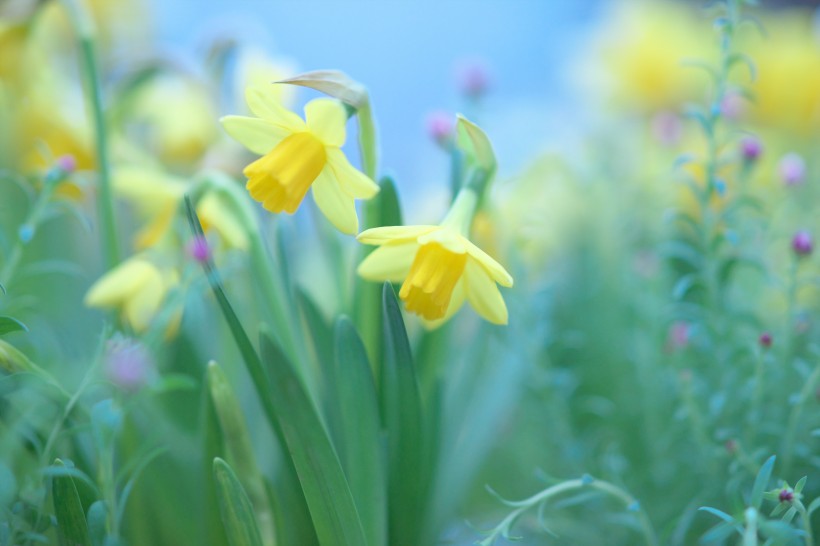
[[438, 265]]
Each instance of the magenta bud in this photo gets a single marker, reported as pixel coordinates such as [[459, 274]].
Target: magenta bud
[[473, 78], [199, 249], [786, 495], [802, 243], [765, 340], [792, 169], [128, 364], [667, 128], [733, 106], [751, 148], [66, 163], [731, 446], [440, 126], [679, 334]]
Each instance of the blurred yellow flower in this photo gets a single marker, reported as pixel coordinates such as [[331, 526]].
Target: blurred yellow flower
[[440, 267], [298, 154], [156, 196], [173, 117], [138, 289]]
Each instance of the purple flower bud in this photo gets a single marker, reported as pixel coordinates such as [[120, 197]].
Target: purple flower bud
[[802, 243], [199, 249], [751, 148], [667, 128], [66, 163], [440, 126], [733, 106], [765, 340], [792, 169], [786, 495], [731, 446], [679, 334], [128, 364], [473, 78]]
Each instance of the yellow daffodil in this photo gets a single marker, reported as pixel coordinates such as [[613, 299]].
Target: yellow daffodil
[[136, 287], [439, 265], [299, 154], [156, 195]]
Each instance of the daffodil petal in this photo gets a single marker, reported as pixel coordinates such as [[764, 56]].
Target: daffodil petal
[[456, 301], [258, 135], [447, 238], [383, 235], [353, 181], [335, 204], [495, 269], [119, 284], [218, 215], [483, 294], [265, 103], [141, 307], [149, 189], [389, 262], [326, 118], [154, 230]]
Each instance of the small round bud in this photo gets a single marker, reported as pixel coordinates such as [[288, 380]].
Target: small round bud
[[667, 128], [786, 495], [128, 364], [792, 169], [440, 126], [199, 250], [66, 163], [731, 446], [765, 340], [751, 148], [802, 243], [679, 335], [733, 106], [473, 78]]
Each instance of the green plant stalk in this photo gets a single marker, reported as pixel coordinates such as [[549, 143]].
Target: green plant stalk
[[794, 419], [84, 28], [750, 531], [804, 516], [698, 427], [368, 143], [647, 530], [757, 398], [32, 221]]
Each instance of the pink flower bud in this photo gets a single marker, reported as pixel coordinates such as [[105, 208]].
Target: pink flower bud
[[802, 243], [128, 364], [199, 250], [667, 128], [792, 169], [473, 78], [440, 126], [66, 163]]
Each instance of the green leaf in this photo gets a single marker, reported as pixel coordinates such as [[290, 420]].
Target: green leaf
[[11, 324], [235, 507], [237, 442], [97, 519], [403, 416], [8, 486], [325, 487], [761, 481], [72, 529], [359, 442], [475, 144], [715, 512]]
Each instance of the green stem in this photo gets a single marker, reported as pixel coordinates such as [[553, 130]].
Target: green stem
[[368, 145], [794, 419], [84, 28], [31, 224], [804, 515], [571, 485], [750, 532]]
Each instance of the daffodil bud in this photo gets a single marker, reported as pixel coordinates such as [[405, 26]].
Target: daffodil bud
[[334, 83]]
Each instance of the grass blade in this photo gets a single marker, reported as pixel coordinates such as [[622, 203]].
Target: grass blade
[[235, 507], [72, 529]]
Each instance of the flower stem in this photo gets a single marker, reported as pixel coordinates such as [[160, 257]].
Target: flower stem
[[84, 28], [804, 515], [368, 145], [570, 485]]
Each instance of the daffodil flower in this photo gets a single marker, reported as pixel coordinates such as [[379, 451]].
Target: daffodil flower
[[439, 265], [138, 289], [299, 154]]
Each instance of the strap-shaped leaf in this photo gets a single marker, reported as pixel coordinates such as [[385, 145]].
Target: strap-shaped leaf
[[408, 457], [320, 473], [235, 507], [359, 440], [11, 324], [72, 529]]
